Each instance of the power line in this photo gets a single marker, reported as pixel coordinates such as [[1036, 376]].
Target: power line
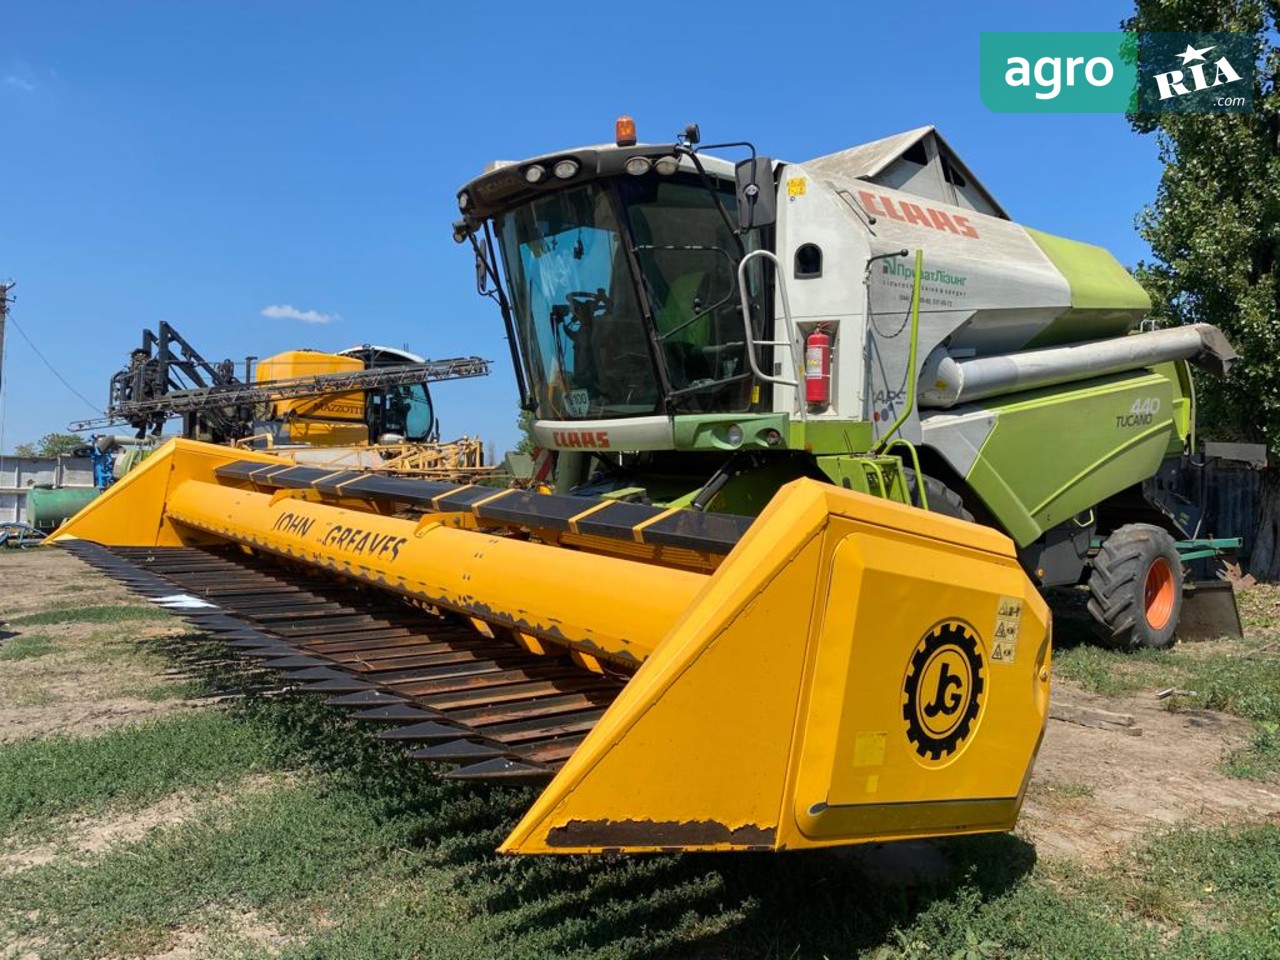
[[61, 379]]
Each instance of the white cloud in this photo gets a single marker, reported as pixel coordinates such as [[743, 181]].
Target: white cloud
[[284, 311], [21, 83]]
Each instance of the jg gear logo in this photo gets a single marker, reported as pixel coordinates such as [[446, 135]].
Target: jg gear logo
[[944, 690]]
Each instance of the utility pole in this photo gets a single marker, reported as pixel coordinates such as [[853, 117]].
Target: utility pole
[[4, 308]]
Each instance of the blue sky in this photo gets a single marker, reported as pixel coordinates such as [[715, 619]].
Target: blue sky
[[199, 162]]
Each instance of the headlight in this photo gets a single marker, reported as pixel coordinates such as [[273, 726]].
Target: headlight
[[734, 436], [667, 165], [638, 166], [464, 201], [564, 169], [772, 437], [535, 173]]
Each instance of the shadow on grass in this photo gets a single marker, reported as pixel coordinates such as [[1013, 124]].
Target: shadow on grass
[[832, 903]]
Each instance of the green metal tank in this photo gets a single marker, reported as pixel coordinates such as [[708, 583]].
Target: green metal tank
[[48, 507]]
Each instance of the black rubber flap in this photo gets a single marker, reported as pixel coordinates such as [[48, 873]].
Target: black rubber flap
[[692, 530]]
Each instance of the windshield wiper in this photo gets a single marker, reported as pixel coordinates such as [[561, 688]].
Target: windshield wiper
[[698, 314]]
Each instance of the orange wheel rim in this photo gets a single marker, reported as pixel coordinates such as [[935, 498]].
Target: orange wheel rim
[[1158, 595]]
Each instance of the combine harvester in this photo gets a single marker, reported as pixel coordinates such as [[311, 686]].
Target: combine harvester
[[738, 631]]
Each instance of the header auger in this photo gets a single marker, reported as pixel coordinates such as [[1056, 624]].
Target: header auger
[[842, 669]]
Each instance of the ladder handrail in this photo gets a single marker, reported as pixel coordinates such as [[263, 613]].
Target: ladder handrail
[[752, 342]]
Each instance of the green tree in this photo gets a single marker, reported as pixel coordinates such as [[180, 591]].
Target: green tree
[[526, 443], [1214, 231], [50, 445]]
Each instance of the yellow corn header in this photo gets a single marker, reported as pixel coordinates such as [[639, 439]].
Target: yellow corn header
[[841, 669]]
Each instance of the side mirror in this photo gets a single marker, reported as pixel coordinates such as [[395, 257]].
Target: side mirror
[[757, 196]]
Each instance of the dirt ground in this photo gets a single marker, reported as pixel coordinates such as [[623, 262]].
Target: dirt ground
[[94, 679], [1093, 790]]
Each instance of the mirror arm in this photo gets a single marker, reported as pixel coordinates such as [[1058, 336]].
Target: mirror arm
[[504, 306], [715, 195]]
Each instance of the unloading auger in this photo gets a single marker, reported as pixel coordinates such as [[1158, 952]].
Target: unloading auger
[[840, 669]]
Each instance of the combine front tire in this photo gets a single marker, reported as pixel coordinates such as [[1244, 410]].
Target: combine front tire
[[942, 499], [1136, 588]]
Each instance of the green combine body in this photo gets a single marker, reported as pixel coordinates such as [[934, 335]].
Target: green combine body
[[694, 332]]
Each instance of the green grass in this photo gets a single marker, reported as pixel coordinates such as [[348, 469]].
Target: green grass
[[26, 647], [91, 614], [1247, 687], [405, 878], [1225, 680], [369, 857], [1114, 674], [172, 690], [80, 587], [1260, 759], [41, 780]]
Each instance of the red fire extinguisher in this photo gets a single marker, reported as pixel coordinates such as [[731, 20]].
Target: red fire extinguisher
[[817, 367]]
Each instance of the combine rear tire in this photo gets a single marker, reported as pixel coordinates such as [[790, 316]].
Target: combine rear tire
[[1136, 588]]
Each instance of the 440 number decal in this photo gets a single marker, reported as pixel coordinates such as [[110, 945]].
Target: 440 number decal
[[943, 691]]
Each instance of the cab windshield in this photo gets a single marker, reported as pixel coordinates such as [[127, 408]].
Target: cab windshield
[[404, 410], [593, 339]]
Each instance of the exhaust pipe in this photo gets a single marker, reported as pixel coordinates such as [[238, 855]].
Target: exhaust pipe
[[946, 381]]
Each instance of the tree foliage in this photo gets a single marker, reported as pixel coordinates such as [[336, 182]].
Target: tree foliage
[[51, 445], [527, 444], [1214, 227]]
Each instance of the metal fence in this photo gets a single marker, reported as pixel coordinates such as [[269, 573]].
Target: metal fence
[[1226, 485]]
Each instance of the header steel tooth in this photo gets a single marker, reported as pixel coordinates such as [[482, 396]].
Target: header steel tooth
[[295, 662], [340, 685], [318, 674], [507, 713], [247, 640], [457, 750], [263, 651], [395, 713], [428, 730], [500, 769], [369, 699]]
